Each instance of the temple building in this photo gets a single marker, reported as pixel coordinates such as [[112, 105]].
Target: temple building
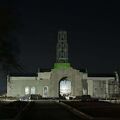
[[63, 79]]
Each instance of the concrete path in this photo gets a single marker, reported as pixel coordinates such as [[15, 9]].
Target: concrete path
[[48, 111]]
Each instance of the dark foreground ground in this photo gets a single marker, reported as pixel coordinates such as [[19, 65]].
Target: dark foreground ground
[[97, 109], [52, 110], [48, 111], [8, 110]]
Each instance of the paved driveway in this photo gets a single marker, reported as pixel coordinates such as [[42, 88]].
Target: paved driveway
[[48, 111]]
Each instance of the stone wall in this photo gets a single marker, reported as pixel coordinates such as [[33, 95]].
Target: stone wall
[[16, 85]]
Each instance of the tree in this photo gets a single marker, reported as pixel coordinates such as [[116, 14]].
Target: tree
[[8, 49]]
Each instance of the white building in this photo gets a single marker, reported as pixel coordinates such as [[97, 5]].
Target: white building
[[63, 80]]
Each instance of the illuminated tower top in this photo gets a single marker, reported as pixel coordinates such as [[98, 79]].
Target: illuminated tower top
[[62, 51], [62, 48]]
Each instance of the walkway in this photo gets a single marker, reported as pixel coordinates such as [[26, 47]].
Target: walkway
[[48, 111]]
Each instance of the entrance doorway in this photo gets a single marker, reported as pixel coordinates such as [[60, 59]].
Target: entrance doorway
[[65, 88]]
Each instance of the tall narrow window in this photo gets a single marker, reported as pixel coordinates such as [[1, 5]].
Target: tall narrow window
[[45, 91], [32, 90], [27, 90]]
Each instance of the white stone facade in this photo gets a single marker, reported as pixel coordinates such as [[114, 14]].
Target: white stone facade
[[47, 84]]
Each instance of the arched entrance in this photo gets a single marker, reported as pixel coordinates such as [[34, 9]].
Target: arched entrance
[[65, 88]]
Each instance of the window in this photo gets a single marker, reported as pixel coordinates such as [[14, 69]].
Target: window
[[84, 91], [27, 90], [45, 91], [32, 90]]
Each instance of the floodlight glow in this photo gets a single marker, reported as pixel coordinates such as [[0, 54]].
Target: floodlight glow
[[65, 87]]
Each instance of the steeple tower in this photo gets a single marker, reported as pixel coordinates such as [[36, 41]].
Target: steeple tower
[[62, 48], [62, 51]]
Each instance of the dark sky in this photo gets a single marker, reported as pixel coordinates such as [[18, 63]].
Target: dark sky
[[93, 33]]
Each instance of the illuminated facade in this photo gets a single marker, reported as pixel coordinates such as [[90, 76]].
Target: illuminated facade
[[63, 80]]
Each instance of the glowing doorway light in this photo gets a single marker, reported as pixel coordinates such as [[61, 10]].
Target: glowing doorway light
[[65, 87]]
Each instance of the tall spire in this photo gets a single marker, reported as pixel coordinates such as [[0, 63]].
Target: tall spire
[[62, 48]]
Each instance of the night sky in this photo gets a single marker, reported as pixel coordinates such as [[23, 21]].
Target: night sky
[[93, 33]]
